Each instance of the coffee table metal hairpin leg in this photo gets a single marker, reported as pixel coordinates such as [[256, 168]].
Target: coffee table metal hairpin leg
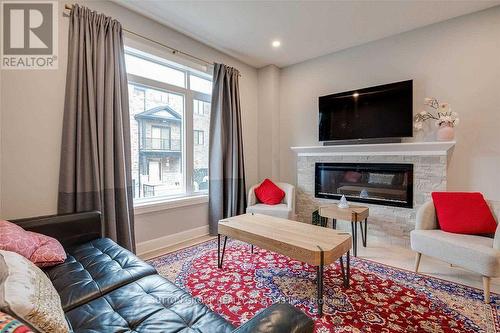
[[348, 270], [364, 231], [354, 231], [220, 258], [345, 272], [354, 227], [319, 283]]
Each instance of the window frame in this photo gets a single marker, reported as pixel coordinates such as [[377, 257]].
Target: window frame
[[187, 136]]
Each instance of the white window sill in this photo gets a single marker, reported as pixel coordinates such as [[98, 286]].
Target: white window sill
[[171, 203]]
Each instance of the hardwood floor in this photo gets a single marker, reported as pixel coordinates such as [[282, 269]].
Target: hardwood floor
[[405, 258], [173, 248], [390, 255]]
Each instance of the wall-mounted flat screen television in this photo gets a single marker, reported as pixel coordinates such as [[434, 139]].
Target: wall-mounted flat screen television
[[384, 111]]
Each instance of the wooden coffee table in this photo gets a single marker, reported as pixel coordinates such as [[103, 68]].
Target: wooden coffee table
[[308, 243], [353, 213]]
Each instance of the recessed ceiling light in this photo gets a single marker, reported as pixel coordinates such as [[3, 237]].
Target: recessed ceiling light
[[355, 95], [276, 43]]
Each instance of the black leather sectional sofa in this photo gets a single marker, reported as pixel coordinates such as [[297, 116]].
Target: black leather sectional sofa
[[105, 288]]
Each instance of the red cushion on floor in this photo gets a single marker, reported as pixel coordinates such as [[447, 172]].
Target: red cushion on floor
[[463, 213], [268, 193]]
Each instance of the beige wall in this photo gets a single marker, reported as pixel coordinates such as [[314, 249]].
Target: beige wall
[[153, 225], [457, 61], [268, 120], [31, 121]]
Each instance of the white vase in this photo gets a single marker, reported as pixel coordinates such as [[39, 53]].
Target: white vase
[[445, 133]]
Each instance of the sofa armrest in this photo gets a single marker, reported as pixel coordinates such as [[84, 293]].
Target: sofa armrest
[[496, 238], [252, 198], [289, 198], [426, 217], [69, 229], [278, 318], [495, 210]]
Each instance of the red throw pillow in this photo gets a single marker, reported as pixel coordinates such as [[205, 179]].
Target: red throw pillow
[[268, 193], [40, 249], [463, 213]]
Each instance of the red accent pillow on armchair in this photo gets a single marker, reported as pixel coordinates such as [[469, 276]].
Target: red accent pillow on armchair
[[269, 193], [464, 213]]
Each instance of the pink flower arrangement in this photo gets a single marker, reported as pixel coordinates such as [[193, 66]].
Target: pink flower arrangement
[[443, 115]]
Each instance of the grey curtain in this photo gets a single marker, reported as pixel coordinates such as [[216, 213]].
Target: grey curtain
[[95, 171], [227, 193]]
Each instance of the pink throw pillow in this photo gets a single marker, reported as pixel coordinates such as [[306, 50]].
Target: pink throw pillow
[[49, 252], [40, 249], [16, 239]]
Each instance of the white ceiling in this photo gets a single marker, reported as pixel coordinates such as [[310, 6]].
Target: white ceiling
[[306, 29]]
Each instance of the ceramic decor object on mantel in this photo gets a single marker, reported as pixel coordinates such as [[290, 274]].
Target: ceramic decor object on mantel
[[445, 119], [445, 133]]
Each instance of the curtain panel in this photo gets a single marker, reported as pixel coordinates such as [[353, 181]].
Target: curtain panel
[[95, 171], [227, 192]]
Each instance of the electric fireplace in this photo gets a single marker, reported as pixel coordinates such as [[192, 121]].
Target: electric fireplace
[[389, 184]]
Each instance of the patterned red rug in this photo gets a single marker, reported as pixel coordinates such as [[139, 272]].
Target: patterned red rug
[[380, 299]]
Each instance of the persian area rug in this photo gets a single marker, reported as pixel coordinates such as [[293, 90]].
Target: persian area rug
[[380, 298]]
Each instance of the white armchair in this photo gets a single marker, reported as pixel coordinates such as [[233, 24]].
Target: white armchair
[[475, 253], [285, 209]]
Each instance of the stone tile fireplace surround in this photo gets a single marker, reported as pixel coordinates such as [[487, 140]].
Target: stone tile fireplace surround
[[386, 224]]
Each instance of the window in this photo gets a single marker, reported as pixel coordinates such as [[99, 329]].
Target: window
[[141, 66], [199, 137], [201, 108], [160, 138], [201, 126], [167, 100], [200, 84]]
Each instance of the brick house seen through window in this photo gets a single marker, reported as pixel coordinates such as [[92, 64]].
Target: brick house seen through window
[[166, 101]]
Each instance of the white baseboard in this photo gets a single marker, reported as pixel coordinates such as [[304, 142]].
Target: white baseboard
[[170, 240]]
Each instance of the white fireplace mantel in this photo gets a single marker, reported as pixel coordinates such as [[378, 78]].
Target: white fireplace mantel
[[405, 148]]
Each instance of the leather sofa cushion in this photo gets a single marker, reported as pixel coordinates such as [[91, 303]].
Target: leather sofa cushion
[[93, 269], [278, 318], [151, 304]]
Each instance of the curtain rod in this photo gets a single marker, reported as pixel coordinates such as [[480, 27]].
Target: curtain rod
[[172, 50]]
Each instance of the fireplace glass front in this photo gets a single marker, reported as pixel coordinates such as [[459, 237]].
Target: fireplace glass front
[[377, 183]]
